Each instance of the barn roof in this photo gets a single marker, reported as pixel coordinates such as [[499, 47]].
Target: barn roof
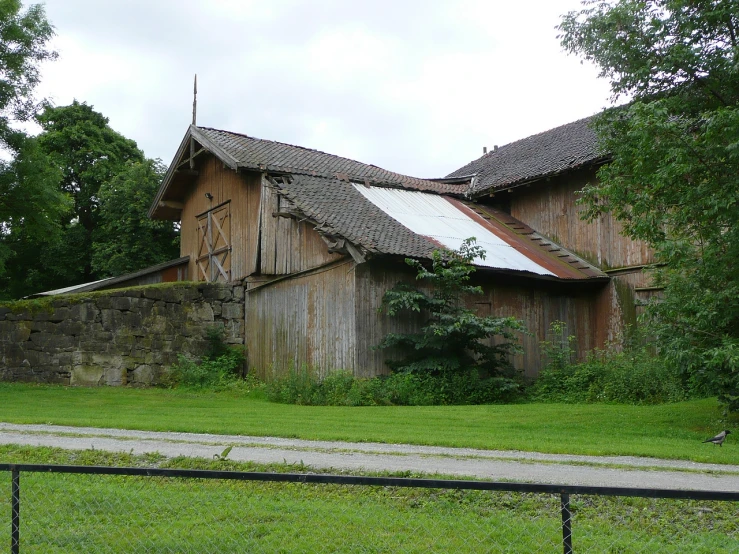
[[381, 220], [240, 151], [552, 152]]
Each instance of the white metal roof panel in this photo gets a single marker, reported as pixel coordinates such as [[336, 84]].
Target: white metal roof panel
[[433, 216]]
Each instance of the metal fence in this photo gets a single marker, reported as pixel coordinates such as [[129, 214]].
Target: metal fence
[[50, 509]]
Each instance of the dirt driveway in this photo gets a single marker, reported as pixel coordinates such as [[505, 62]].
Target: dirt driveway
[[617, 471]]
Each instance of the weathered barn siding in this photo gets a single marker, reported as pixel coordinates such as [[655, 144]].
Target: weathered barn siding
[[303, 319], [286, 245], [537, 303], [373, 279], [550, 208], [243, 192]]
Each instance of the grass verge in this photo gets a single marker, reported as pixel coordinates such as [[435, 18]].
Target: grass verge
[[672, 431], [96, 513]]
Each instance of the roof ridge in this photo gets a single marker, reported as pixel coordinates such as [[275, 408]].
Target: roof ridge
[[307, 149], [530, 137]]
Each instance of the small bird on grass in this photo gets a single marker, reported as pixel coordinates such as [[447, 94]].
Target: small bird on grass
[[720, 438]]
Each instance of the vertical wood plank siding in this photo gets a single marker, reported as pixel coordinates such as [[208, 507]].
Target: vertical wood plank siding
[[224, 184], [536, 303], [550, 208], [306, 319], [287, 245]]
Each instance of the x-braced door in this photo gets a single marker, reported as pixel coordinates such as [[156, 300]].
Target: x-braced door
[[214, 240]]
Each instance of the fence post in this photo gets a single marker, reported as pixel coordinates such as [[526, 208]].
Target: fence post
[[15, 511], [566, 524]]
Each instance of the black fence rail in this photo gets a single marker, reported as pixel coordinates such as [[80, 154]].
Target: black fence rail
[[113, 509]]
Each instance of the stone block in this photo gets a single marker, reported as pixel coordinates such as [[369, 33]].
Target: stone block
[[238, 293], [123, 303], [3, 312], [233, 311], [71, 327], [13, 332], [154, 357], [132, 320], [166, 294], [112, 319], [143, 375], [156, 325], [85, 311], [201, 313], [115, 376], [217, 291], [175, 312], [60, 314], [41, 326], [86, 375], [217, 307]]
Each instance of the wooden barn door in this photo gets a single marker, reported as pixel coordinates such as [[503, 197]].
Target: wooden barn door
[[214, 244]]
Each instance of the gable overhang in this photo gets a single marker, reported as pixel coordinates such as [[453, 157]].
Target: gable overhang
[[169, 200]]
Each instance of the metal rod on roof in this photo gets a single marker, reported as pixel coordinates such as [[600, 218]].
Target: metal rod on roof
[[195, 101]]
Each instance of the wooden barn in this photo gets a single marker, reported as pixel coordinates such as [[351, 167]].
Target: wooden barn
[[317, 239]]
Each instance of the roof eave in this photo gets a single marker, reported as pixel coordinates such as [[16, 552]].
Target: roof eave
[[193, 133]]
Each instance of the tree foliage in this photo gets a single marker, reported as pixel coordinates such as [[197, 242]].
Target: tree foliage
[[125, 239], [23, 39], [100, 186], [674, 176], [452, 341]]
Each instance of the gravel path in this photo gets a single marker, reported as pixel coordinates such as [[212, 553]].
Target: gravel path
[[617, 471]]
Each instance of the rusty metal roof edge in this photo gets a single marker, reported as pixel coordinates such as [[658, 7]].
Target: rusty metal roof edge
[[534, 237]]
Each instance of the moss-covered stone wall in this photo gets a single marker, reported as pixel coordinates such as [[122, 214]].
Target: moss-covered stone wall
[[117, 337]]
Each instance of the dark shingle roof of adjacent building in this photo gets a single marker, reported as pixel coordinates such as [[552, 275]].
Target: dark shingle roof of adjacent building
[[549, 153]]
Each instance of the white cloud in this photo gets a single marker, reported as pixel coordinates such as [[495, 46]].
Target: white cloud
[[415, 86]]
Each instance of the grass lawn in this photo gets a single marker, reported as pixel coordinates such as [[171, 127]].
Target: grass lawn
[[98, 513], [666, 431]]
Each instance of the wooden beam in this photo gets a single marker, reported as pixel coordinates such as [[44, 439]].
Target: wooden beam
[[171, 204]]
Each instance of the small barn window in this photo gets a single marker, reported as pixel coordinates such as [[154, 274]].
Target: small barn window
[[214, 244]]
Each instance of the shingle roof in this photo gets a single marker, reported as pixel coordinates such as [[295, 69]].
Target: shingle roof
[[340, 210], [555, 151], [267, 155]]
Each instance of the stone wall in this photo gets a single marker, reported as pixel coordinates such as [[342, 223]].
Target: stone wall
[[117, 337]]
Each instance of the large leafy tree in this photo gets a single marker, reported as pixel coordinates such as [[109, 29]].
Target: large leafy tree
[[23, 46], [674, 176], [30, 203], [88, 153], [125, 239], [109, 183]]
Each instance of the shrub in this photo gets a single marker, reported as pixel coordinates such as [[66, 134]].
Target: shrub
[[220, 367], [454, 348], [632, 375], [341, 388]]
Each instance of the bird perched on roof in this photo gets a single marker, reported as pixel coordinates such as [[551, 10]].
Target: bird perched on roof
[[720, 438]]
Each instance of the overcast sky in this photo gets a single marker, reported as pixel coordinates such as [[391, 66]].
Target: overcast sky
[[414, 86]]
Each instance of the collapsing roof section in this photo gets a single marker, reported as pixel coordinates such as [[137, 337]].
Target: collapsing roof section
[[241, 152], [364, 210], [368, 220], [556, 151]]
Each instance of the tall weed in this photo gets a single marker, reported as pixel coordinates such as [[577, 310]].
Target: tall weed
[[630, 375]]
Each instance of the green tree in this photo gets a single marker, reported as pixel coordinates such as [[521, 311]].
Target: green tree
[[453, 344], [674, 176], [31, 206], [125, 239], [23, 39]]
